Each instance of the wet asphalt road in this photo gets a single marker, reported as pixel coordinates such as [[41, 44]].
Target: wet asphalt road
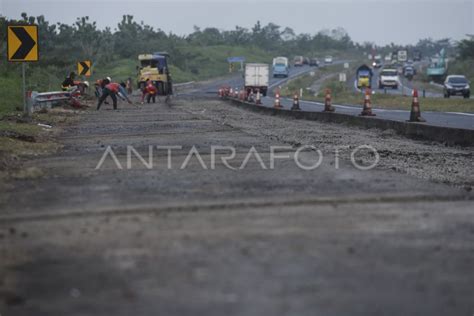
[[453, 120], [237, 80], [443, 119], [82, 240]]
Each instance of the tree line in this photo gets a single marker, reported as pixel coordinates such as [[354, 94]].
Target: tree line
[[62, 45]]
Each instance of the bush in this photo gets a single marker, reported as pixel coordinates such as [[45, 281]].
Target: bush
[[463, 67]]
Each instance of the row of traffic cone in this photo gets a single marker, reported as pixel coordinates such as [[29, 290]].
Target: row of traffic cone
[[415, 114]]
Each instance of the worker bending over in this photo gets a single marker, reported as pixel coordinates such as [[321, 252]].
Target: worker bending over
[[100, 85], [113, 90]]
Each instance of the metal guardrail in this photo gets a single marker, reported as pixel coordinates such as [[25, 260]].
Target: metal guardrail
[[46, 100], [183, 85]]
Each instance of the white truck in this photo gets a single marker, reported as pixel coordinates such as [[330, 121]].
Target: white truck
[[256, 78], [388, 77]]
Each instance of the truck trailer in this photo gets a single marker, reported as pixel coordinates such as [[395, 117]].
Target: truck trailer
[[257, 77]]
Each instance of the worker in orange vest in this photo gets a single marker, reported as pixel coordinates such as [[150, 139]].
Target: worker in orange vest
[[150, 92], [113, 90]]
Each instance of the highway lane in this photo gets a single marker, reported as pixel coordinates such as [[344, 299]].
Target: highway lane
[[237, 80], [444, 119], [405, 87], [298, 71]]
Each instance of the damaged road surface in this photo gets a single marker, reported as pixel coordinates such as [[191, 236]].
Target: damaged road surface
[[175, 234]]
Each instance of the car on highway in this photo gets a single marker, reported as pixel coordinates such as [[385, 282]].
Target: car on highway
[[328, 59], [388, 77], [409, 72], [298, 61], [280, 67], [398, 66], [314, 62], [377, 63], [457, 85]]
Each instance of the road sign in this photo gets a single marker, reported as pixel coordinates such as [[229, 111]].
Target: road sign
[[22, 41], [236, 59], [342, 77], [346, 65], [232, 60], [402, 55], [84, 68]]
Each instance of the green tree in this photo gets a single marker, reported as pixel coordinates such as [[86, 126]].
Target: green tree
[[466, 49]]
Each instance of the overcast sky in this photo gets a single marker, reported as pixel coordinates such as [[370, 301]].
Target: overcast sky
[[382, 21]]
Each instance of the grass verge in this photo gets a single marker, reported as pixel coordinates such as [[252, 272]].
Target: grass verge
[[22, 138]]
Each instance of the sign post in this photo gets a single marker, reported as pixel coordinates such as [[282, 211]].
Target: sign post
[[22, 46], [23, 76]]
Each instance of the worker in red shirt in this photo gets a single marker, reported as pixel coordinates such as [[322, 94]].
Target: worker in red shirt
[[150, 91], [100, 85], [113, 90]]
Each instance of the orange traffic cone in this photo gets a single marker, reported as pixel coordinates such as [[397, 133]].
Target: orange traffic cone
[[259, 98], [327, 102], [296, 103], [277, 103], [415, 114], [367, 110]]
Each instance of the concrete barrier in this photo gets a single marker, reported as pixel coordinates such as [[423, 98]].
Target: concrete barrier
[[446, 135]]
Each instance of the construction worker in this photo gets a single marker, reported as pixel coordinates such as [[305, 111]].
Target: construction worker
[[68, 82], [150, 91], [82, 86], [129, 86], [113, 90], [100, 85]]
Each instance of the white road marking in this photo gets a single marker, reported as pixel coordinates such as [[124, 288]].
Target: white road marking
[[461, 113]]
